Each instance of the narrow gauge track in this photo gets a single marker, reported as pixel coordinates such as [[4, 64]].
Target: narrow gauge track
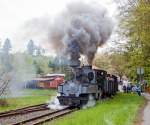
[[24, 110], [46, 117], [32, 115]]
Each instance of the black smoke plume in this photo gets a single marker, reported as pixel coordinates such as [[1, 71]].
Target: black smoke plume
[[80, 29]]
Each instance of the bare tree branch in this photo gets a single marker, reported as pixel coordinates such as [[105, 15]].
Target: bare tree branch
[[4, 83]]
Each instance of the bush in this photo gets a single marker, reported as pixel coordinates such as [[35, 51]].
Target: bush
[[3, 102]]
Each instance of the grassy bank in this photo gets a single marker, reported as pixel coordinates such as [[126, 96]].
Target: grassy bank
[[32, 97], [121, 110]]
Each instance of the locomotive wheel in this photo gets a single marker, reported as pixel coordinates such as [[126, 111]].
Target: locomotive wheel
[[100, 94], [84, 102]]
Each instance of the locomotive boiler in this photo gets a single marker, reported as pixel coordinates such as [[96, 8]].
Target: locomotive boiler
[[85, 81]]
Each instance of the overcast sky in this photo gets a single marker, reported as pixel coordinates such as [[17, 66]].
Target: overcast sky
[[14, 14]]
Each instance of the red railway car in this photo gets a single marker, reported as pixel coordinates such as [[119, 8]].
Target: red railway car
[[50, 81]]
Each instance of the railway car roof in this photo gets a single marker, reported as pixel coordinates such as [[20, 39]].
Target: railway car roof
[[55, 75]]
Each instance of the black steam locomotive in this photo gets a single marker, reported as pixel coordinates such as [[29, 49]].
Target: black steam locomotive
[[86, 81]]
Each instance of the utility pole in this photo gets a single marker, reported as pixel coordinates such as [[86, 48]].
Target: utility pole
[[140, 73]]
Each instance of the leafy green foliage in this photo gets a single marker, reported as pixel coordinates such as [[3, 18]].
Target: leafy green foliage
[[135, 27], [29, 64], [113, 63]]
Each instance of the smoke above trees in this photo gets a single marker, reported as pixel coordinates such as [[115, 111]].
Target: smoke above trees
[[80, 29]]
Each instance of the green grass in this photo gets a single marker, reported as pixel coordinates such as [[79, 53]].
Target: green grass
[[39, 92], [121, 110], [33, 97]]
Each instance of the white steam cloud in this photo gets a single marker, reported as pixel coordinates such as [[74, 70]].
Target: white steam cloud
[[54, 103]]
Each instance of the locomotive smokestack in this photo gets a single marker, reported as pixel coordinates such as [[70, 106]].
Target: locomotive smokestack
[[80, 29]]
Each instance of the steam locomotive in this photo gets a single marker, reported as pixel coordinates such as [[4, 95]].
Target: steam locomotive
[[84, 82]]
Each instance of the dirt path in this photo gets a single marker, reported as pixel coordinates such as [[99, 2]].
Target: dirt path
[[146, 112]]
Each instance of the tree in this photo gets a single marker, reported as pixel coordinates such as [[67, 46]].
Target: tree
[[7, 46], [5, 57], [30, 47], [51, 64], [38, 51], [135, 25], [5, 70], [38, 69], [113, 63], [43, 51], [4, 87], [4, 82]]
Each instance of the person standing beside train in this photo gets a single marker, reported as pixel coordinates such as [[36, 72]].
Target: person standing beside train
[[125, 84]]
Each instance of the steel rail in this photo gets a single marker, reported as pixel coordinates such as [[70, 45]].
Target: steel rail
[[45, 117], [24, 110]]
